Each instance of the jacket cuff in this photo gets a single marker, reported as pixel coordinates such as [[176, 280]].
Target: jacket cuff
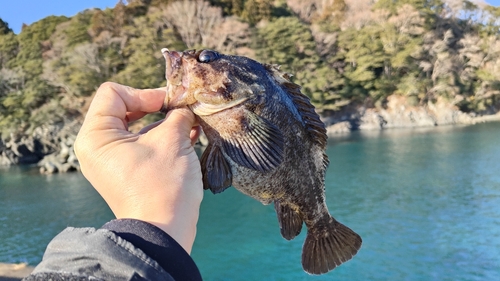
[[158, 245], [88, 254]]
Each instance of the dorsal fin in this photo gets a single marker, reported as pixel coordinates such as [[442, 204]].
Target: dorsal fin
[[315, 127]]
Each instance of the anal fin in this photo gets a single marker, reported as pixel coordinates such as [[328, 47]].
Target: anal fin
[[215, 170], [289, 220], [328, 246]]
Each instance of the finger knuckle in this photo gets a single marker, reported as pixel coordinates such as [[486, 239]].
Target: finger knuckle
[[106, 86]]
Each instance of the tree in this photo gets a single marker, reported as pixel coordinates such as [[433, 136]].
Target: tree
[[145, 64], [8, 49], [256, 10], [77, 30], [195, 21], [492, 21], [100, 21], [4, 27], [30, 41], [430, 9], [229, 7], [286, 41], [229, 36], [78, 70], [305, 10], [31, 91], [120, 17], [360, 13], [137, 8], [159, 3], [363, 54], [334, 12]]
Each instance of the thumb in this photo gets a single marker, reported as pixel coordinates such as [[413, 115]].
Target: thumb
[[180, 121], [175, 129]]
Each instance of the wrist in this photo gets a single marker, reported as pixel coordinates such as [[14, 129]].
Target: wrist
[[177, 220]]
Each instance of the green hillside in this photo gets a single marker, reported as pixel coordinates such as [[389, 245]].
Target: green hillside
[[344, 53]]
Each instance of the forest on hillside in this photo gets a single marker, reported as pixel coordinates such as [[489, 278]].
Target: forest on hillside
[[342, 52]]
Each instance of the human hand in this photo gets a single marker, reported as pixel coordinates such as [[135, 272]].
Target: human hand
[[153, 175]]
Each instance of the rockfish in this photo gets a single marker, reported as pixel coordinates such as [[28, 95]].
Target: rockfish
[[266, 140]]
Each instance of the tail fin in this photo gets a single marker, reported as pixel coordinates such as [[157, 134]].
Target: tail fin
[[328, 246]]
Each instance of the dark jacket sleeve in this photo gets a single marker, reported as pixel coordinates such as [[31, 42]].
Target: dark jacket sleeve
[[120, 250]]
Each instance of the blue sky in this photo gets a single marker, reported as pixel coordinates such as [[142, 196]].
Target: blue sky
[[494, 2], [17, 12]]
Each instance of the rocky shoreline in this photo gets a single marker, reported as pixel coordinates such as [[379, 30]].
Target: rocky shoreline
[[51, 146], [399, 114], [14, 271]]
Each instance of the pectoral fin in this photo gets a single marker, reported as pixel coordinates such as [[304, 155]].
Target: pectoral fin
[[216, 172], [258, 146]]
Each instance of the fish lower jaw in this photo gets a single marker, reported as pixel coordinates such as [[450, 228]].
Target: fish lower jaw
[[205, 109], [176, 97]]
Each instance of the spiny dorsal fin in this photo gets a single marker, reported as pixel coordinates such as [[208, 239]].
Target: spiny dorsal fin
[[315, 127]]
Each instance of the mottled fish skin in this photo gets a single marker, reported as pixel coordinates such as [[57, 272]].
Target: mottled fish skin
[[266, 140]]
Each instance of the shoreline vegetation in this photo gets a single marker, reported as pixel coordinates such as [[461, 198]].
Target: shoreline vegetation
[[364, 65]]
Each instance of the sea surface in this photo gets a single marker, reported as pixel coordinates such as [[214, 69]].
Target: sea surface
[[426, 203]]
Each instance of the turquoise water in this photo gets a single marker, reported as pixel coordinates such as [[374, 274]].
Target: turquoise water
[[426, 202]]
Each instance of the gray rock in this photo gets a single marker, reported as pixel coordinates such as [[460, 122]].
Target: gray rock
[[51, 146], [371, 120], [339, 128], [64, 151], [448, 114], [48, 168], [399, 113]]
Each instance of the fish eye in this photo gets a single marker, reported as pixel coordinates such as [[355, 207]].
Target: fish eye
[[207, 56]]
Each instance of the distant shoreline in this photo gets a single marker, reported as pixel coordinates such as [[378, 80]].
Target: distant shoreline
[[341, 130], [399, 113], [50, 147]]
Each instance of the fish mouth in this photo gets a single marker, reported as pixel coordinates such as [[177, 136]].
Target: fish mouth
[[177, 83], [178, 92], [173, 62]]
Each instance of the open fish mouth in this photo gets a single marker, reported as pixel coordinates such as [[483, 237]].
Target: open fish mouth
[[179, 93], [173, 61], [177, 83]]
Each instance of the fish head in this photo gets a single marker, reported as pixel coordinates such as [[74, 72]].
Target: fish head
[[207, 81]]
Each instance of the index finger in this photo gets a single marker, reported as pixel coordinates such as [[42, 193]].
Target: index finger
[[112, 101]]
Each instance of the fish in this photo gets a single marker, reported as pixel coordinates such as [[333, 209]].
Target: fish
[[266, 140]]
